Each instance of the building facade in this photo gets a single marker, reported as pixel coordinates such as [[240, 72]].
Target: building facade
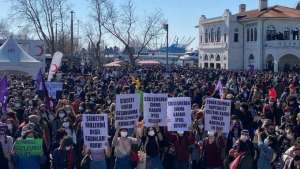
[[263, 39]]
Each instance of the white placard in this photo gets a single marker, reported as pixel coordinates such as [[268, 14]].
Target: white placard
[[53, 87], [127, 110], [217, 115], [179, 114], [95, 131], [155, 109]]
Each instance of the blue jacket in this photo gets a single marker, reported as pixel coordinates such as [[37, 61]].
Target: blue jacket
[[265, 156], [26, 162]]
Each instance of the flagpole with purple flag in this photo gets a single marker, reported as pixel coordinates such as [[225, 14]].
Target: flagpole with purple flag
[[41, 85], [4, 93], [219, 88]]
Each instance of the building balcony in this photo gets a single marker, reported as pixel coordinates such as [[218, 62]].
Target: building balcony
[[213, 45], [282, 44]]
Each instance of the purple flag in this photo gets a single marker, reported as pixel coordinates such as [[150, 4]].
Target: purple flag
[[4, 93], [219, 88], [41, 85]]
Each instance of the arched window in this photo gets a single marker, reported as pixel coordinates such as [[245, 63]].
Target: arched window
[[271, 33], [209, 37], [286, 34], [251, 35], [251, 59], [219, 35], [295, 33], [205, 57], [236, 35], [212, 57], [206, 36], [218, 58], [255, 34], [212, 35], [248, 35]]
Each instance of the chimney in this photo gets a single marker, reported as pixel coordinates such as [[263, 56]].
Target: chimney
[[242, 8], [263, 4]]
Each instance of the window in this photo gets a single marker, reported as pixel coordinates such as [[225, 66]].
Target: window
[[206, 36], [248, 35], [205, 57], [212, 57], [218, 58], [200, 38], [209, 39], [205, 65], [255, 34], [218, 66], [236, 35], [295, 33], [218, 35], [251, 35], [251, 59], [286, 34], [212, 65], [212, 35], [225, 37], [271, 33]]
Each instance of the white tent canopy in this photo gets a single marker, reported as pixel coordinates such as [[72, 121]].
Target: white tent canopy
[[14, 58]]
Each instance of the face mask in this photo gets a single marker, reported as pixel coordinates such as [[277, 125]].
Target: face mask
[[61, 115], [66, 124], [244, 138], [266, 141], [290, 136], [180, 133], [9, 126], [81, 109], [123, 133], [68, 111], [151, 133], [200, 126], [271, 103], [68, 148]]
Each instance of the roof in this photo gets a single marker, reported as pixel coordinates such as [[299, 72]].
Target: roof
[[10, 51], [271, 12]]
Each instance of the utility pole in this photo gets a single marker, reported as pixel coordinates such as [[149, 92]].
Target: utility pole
[[72, 33], [166, 28], [56, 38]]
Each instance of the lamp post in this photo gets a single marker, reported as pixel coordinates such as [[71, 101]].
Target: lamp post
[[166, 28]]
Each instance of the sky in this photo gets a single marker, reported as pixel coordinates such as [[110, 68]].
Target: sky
[[182, 15]]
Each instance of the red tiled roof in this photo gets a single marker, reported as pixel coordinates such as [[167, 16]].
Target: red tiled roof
[[272, 12]]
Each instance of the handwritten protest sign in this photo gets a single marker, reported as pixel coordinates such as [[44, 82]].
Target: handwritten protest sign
[[155, 109], [29, 147], [53, 88], [179, 114], [3, 129], [95, 131], [127, 110], [217, 115]]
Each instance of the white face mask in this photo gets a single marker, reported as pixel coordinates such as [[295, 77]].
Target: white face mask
[[68, 148], [123, 133], [200, 126], [9, 126], [66, 124], [244, 138], [151, 133], [61, 115]]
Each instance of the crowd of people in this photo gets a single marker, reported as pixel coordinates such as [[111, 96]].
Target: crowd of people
[[264, 132]]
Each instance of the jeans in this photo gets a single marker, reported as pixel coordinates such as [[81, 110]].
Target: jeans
[[123, 163], [101, 164], [154, 163]]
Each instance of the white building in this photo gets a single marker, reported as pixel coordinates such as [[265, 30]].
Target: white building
[[265, 38]]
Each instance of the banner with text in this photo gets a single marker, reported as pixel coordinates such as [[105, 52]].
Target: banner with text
[[155, 109], [53, 88], [217, 115], [29, 147], [179, 114], [127, 110], [95, 131]]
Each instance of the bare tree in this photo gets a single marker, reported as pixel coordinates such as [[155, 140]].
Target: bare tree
[[4, 29], [43, 15], [123, 25], [95, 32]]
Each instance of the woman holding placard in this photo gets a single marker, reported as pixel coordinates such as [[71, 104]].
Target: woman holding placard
[[122, 147]]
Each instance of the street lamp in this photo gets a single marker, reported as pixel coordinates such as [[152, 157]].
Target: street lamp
[[166, 28]]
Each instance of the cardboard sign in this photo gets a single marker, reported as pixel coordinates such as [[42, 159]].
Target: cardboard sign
[[217, 115], [95, 131], [179, 114], [155, 109], [3, 129], [127, 110], [29, 147], [53, 88]]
